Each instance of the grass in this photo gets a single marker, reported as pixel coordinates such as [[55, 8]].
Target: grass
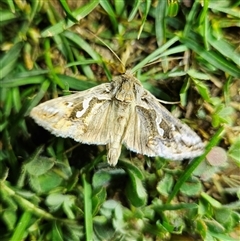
[[56, 189]]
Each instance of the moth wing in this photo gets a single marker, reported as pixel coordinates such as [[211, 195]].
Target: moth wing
[[153, 131], [82, 116]]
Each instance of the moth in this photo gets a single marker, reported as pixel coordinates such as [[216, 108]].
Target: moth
[[116, 113]]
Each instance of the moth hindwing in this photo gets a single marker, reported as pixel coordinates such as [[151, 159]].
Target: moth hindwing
[[116, 113]]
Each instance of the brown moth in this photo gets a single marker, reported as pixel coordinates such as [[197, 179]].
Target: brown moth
[[116, 113]]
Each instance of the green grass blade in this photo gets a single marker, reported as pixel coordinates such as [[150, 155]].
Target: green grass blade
[[11, 5], [37, 98], [144, 18], [78, 14], [191, 18], [68, 11], [7, 16], [108, 8], [76, 84], [160, 22], [9, 59], [81, 43], [20, 81], [224, 48], [49, 63], [210, 56], [157, 52], [88, 219], [134, 10], [21, 228]]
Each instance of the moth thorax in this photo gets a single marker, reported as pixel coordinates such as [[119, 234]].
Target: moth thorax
[[125, 92]]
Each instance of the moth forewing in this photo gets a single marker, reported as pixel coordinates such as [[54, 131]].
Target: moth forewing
[[81, 116], [116, 113], [153, 131]]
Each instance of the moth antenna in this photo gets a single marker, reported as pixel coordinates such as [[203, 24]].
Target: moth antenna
[[123, 65], [160, 60]]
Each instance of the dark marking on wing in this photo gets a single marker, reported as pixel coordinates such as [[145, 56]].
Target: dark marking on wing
[[167, 134]]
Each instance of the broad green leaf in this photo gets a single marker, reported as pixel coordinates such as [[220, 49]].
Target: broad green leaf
[[38, 165], [202, 89], [46, 182], [191, 187], [135, 190], [164, 186]]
